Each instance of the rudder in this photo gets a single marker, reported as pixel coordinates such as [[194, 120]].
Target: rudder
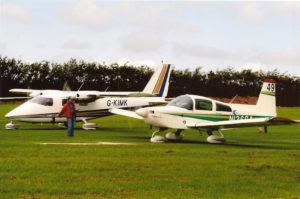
[[159, 83], [266, 102]]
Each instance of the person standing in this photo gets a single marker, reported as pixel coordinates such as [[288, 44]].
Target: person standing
[[69, 111]]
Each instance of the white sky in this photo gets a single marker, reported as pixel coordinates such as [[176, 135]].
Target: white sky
[[214, 35]]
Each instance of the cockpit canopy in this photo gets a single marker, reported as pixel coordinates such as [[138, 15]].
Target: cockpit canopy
[[201, 104], [45, 101], [183, 101]]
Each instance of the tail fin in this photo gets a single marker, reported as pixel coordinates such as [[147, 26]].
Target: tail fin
[[159, 83], [266, 102]]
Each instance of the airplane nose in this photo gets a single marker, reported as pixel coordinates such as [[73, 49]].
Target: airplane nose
[[143, 112], [15, 112], [10, 114]]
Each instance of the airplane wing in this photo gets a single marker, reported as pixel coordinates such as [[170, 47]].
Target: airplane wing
[[125, 113], [13, 98], [22, 91], [242, 123], [29, 92], [113, 94]]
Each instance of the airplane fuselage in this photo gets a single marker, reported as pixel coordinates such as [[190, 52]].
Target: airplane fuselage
[[45, 108], [175, 117]]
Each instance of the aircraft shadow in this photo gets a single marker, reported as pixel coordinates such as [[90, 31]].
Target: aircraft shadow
[[256, 146]]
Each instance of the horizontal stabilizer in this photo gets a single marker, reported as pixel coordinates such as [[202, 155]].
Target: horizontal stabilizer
[[282, 121], [123, 112]]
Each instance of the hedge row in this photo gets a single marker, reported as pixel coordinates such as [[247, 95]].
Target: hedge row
[[221, 83]]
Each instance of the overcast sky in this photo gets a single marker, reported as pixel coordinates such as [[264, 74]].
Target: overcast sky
[[214, 35]]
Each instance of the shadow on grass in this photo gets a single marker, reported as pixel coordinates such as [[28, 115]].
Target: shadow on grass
[[128, 134], [235, 145]]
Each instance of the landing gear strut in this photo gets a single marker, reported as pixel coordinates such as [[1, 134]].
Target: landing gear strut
[[11, 126], [215, 139]]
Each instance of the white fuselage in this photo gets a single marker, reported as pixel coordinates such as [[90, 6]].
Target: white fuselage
[[45, 108], [176, 117]]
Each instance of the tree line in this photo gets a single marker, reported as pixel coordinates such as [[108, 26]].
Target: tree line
[[114, 77]]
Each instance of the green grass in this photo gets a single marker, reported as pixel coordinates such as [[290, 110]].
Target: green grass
[[249, 165]]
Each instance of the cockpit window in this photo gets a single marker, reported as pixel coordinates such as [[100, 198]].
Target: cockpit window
[[183, 101], [45, 101], [203, 104], [222, 107]]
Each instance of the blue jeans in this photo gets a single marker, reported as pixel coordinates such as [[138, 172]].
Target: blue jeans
[[71, 123]]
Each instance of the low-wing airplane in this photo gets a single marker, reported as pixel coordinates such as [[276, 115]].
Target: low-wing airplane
[[205, 114], [46, 104]]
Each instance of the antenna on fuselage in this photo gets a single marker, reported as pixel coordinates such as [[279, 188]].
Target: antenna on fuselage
[[81, 86], [233, 99]]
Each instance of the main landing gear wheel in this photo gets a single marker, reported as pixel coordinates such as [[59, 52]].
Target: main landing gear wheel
[[169, 136], [62, 125], [89, 126], [215, 139], [11, 126]]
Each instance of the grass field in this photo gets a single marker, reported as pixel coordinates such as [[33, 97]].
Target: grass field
[[249, 165]]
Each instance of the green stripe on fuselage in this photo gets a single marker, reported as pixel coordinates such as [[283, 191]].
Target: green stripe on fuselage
[[268, 93], [217, 118]]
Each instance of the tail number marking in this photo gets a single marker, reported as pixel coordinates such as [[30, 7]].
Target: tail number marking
[[271, 87], [240, 117], [116, 103]]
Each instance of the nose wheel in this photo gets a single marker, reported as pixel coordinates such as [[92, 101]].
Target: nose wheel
[[215, 139], [11, 126], [157, 138]]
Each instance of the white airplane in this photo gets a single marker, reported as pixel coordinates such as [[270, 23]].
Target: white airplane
[[205, 114], [46, 104]]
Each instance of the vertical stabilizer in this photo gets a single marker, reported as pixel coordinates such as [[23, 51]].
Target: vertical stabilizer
[[266, 102], [159, 83]]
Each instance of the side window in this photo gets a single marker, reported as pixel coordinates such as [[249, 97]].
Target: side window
[[45, 101], [203, 104], [222, 107]]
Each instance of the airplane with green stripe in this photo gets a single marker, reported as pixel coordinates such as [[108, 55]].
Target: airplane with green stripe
[[205, 114]]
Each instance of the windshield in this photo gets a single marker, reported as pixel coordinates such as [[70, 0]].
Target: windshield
[[183, 101], [45, 101]]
